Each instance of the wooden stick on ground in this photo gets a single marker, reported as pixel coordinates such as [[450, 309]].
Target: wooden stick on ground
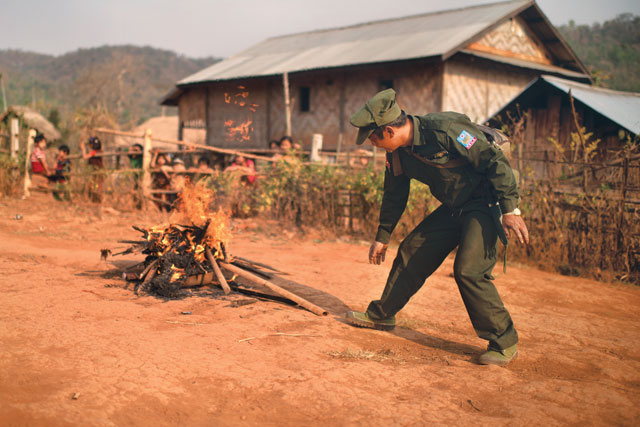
[[148, 269], [216, 269], [150, 273], [259, 280]]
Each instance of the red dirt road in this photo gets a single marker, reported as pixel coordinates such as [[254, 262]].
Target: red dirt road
[[68, 327]]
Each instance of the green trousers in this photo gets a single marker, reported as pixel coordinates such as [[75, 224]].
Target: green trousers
[[473, 231]]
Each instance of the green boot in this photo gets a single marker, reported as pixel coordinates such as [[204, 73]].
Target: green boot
[[502, 357], [363, 320]]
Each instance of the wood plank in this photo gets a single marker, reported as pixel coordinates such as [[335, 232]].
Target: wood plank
[[507, 54]]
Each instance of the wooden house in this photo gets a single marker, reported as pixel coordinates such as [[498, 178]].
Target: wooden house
[[544, 107], [472, 60]]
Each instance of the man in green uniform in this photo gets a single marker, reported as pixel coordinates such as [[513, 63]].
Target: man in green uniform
[[468, 175]]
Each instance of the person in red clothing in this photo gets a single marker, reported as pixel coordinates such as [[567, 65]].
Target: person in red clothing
[[246, 166], [39, 167]]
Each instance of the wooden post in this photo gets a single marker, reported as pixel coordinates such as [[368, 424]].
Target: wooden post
[[14, 140], [520, 174], [287, 103], [4, 95], [341, 116], [623, 197], [27, 166], [339, 147], [146, 163], [316, 146], [217, 271], [285, 293]]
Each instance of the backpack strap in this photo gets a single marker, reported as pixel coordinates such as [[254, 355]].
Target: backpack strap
[[396, 164]]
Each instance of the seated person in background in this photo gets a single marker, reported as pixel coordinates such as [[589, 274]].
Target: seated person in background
[[135, 162], [277, 152], [94, 159], [135, 156], [203, 165], [60, 176], [244, 165], [274, 145], [360, 158], [177, 182], [160, 179], [178, 177], [202, 170], [63, 165], [286, 143], [39, 168]]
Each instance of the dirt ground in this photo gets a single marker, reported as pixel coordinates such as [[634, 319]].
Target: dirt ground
[[68, 328]]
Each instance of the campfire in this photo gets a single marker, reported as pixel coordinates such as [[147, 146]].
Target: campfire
[[191, 252]]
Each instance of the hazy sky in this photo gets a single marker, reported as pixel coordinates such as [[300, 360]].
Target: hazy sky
[[223, 27]]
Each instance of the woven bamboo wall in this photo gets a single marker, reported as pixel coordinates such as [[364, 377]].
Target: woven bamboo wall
[[191, 105], [513, 38], [478, 88], [323, 116], [418, 88]]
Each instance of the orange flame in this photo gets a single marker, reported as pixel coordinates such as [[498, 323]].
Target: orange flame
[[194, 207], [178, 273]]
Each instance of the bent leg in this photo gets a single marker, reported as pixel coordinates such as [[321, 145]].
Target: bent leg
[[472, 270], [419, 255]]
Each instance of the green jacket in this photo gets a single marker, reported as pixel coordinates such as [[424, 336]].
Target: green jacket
[[484, 173]]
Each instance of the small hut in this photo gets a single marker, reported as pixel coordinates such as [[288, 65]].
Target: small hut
[[31, 119], [548, 121], [162, 127]]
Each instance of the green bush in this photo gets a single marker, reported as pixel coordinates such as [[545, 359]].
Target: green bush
[[11, 175], [314, 195]]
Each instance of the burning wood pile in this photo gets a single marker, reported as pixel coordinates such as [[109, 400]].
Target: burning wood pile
[[191, 252]]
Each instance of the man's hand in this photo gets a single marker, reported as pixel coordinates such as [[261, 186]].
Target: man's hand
[[377, 252], [516, 224]]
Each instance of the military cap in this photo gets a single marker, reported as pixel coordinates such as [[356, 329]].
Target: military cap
[[378, 111]]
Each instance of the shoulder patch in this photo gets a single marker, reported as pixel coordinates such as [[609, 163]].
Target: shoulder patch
[[466, 139]]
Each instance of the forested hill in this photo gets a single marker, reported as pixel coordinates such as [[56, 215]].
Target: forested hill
[[128, 80], [610, 50]]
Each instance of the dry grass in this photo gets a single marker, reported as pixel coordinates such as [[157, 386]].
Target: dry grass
[[381, 355]]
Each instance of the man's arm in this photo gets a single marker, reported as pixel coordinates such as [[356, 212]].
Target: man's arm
[[394, 200]]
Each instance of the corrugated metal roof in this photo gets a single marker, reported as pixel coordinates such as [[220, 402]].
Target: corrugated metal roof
[[620, 107], [420, 36]]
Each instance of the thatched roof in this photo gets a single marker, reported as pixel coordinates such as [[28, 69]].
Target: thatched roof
[[162, 127], [34, 120]]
